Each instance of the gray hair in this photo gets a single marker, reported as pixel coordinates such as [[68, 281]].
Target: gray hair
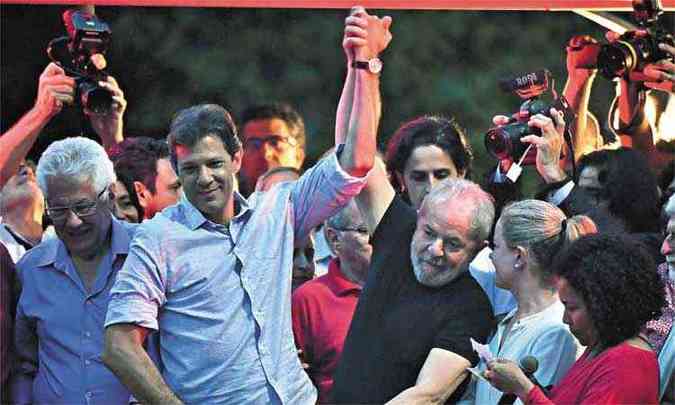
[[79, 158], [670, 206], [470, 192], [543, 229]]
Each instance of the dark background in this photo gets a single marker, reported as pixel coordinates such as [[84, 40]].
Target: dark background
[[165, 59]]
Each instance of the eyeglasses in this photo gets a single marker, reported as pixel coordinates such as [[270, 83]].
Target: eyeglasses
[[82, 209], [273, 140], [360, 230]]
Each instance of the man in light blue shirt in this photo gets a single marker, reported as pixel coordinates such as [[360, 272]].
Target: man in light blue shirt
[[66, 283], [213, 273]]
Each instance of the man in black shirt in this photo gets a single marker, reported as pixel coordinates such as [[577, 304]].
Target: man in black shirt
[[409, 340]]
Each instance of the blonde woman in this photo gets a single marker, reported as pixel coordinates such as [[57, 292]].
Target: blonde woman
[[528, 235]]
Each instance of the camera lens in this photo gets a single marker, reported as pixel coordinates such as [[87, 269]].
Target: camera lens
[[95, 98], [498, 143], [615, 60]]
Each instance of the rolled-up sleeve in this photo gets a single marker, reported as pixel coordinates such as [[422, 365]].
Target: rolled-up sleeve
[[321, 192], [139, 290]]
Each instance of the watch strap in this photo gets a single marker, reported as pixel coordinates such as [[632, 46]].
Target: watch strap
[[359, 64]]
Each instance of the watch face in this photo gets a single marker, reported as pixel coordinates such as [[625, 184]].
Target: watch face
[[375, 65]]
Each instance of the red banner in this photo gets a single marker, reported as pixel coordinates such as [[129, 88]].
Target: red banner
[[550, 5]]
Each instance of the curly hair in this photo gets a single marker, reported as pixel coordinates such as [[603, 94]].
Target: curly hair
[[428, 130], [617, 281]]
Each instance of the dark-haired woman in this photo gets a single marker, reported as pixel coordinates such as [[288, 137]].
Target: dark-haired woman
[[610, 289], [424, 151]]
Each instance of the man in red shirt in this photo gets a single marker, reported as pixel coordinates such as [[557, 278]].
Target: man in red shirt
[[323, 308]]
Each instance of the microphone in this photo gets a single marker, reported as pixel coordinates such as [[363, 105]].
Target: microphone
[[529, 365]]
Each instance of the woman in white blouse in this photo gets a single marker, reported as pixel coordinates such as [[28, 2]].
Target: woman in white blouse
[[527, 237]]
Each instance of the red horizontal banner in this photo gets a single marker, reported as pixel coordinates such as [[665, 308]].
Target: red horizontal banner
[[551, 5]]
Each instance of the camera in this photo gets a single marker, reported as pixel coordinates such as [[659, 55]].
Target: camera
[[634, 49], [503, 142], [80, 54]]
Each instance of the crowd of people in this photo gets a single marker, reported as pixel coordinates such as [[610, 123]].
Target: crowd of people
[[208, 267]]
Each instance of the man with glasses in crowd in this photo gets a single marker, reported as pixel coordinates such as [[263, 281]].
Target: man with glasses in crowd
[[273, 136], [67, 280], [323, 308]]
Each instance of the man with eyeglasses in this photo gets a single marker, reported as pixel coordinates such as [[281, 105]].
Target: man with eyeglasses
[[273, 136], [323, 308], [21, 202], [67, 280]]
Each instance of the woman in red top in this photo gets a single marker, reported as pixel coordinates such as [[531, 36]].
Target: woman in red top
[[610, 289]]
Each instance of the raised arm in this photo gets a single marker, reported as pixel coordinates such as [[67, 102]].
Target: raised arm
[[360, 143], [109, 126], [54, 90], [365, 37], [581, 54]]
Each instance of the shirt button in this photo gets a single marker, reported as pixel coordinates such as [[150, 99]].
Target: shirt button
[[89, 395], [87, 334], [88, 362]]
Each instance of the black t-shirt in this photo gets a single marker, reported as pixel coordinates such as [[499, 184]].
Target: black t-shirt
[[398, 320]]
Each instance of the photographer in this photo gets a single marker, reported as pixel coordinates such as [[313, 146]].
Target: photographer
[[21, 201], [627, 116], [581, 73], [661, 74], [55, 90]]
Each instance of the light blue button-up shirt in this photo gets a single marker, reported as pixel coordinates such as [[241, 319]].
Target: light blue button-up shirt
[[220, 295], [59, 331]]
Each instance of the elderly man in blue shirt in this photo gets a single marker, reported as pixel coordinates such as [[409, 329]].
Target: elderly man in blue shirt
[[213, 273], [66, 283]]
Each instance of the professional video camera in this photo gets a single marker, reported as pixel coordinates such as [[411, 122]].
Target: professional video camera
[[634, 49], [503, 142], [81, 55]]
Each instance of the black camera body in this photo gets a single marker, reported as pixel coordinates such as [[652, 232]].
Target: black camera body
[[503, 142], [80, 54], [633, 50]]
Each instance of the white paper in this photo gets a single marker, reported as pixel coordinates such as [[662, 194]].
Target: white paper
[[475, 371], [483, 351]]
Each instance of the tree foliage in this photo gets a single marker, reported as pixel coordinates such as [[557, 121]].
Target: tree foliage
[[168, 58]]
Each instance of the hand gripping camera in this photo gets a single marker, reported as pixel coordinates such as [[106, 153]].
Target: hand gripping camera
[[634, 49], [81, 55], [503, 142]]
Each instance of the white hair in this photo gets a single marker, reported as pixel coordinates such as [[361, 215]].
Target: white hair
[[79, 158], [470, 193]]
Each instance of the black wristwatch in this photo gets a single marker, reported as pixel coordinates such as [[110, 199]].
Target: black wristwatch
[[373, 65]]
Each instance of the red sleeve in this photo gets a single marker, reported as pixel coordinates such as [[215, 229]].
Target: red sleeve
[[626, 377], [617, 383], [536, 397]]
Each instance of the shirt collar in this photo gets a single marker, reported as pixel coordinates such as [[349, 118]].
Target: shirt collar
[[338, 282], [547, 313], [194, 218]]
